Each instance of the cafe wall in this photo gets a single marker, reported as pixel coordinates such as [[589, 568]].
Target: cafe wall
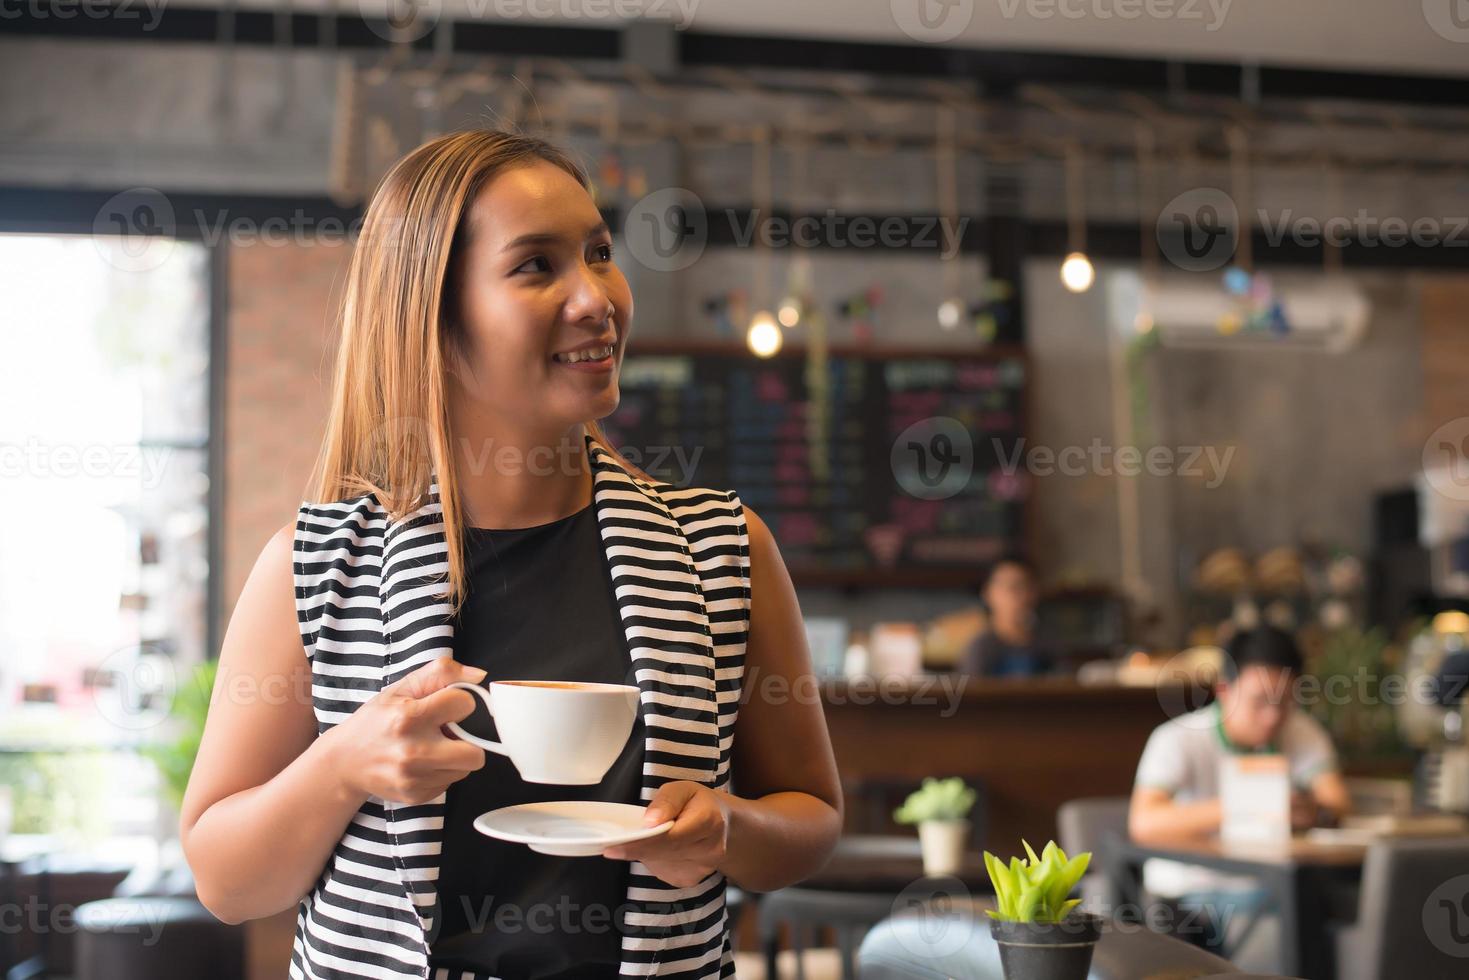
[[1309, 437], [1271, 492], [173, 126]]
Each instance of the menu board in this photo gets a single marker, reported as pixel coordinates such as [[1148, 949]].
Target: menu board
[[873, 463]]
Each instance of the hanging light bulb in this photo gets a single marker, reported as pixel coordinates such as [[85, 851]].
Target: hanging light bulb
[[1077, 273], [951, 311], [764, 337], [790, 312]]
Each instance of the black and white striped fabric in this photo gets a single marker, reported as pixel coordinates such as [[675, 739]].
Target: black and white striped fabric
[[370, 613]]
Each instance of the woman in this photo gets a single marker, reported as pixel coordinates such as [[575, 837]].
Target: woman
[[474, 525], [1007, 647]]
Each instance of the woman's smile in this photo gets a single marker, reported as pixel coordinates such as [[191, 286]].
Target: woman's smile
[[594, 357]]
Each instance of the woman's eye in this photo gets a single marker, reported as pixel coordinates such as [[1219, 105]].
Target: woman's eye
[[606, 248], [538, 258]]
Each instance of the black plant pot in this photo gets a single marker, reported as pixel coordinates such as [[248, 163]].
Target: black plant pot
[[1048, 950]]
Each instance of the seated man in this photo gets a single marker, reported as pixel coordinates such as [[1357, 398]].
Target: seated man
[[1176, 790]]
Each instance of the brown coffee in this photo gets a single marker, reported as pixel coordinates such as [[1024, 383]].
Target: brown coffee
[[563, 685]]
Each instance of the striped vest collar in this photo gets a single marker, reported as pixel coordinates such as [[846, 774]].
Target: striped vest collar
[[674, 675]]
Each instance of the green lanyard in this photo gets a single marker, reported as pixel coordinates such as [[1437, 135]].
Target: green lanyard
[[1268, 749]]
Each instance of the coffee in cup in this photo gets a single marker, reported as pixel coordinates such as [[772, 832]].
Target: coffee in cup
[[562, 732]]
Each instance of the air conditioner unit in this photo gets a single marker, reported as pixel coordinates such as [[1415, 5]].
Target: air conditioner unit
[[1326, 313]]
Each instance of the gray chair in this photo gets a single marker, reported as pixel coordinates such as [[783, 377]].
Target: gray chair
[[1412, 914], [1085, 825], [954, 942], [156, 938]]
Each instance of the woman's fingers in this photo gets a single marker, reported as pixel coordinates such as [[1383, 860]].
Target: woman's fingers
[[432, 676], [446, 705]]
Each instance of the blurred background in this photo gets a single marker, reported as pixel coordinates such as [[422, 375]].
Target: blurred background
[[1104, 328]]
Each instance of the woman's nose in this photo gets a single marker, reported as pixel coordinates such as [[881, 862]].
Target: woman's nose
[[589, 299]]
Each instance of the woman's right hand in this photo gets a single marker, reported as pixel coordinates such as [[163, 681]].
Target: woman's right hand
[[395, 746]]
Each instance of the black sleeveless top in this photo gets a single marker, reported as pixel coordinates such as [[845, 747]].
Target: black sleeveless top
[[539, 607]]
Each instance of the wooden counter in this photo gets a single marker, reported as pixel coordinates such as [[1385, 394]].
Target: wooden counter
[[1033, 744]]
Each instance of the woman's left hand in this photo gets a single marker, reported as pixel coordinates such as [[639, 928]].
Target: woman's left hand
[[694, 847]]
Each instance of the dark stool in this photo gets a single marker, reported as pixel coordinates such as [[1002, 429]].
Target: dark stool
[[156, 938]]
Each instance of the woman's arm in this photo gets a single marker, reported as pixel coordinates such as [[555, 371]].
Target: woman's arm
[[787, 817], [268, 800]]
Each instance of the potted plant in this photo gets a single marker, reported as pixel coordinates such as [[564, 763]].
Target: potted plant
[[1041, 933], [175, 757], [940, 808]]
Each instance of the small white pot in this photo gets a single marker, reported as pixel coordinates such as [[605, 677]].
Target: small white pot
[[942, 843]]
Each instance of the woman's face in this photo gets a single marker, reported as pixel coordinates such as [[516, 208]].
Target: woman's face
[[538, 281]]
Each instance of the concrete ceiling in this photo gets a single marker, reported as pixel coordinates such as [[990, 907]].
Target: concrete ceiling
[[1409, 36]]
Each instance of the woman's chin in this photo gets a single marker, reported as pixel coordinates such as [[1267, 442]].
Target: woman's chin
[[592, 409]]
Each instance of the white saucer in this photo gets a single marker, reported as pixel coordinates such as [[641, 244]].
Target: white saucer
[[569, 828]]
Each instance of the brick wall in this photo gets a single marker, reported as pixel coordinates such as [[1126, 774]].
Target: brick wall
[[283, 301], [1445, 311]]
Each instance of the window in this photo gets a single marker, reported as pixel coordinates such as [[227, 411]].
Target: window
[[104, 556]]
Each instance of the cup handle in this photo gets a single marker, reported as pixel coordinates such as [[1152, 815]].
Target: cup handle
[[453, 726]]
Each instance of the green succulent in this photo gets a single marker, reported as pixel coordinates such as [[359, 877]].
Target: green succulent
[[937, 799], [1036, 889]]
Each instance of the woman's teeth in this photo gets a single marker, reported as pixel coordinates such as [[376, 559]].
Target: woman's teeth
[[589, 354]]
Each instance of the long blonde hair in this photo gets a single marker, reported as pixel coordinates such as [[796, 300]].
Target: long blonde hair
[[388, 433]]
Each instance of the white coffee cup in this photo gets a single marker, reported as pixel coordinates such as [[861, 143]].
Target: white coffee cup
[[556, 731]]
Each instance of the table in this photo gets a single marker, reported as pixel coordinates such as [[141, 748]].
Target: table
[[888, 863], [1295, 872], [868, 878]]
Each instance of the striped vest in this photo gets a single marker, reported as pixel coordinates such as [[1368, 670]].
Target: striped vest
[[367, 597]]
